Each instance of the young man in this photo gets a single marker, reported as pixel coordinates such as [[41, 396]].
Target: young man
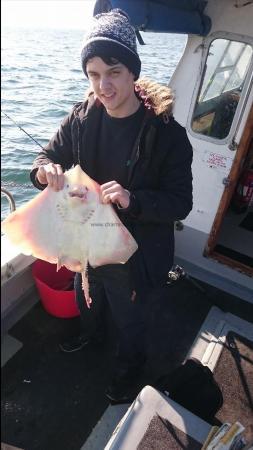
[[126, 139]]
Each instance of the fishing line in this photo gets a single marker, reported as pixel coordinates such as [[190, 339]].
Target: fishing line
[[22, 129], [12, 183]]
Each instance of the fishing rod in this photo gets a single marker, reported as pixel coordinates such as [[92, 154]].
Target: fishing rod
[[22, 129]]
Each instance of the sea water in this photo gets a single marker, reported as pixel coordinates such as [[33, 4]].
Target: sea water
[[42, 79]]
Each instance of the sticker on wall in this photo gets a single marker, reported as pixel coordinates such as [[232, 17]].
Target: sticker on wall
[[216, 161]]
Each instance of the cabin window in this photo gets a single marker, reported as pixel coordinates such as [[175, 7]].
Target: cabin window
[[226, 68]]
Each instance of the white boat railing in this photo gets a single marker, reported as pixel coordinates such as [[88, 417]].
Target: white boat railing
[[10, 198]]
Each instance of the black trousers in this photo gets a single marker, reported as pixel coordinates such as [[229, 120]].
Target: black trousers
[[112, 284]]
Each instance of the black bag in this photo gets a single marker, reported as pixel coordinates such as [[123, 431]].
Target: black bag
[[193, 386]]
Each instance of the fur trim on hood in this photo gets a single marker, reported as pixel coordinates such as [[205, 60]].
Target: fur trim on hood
[[155, 96]]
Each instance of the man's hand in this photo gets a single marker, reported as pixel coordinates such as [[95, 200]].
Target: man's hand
[[52, 175], [115, 193]]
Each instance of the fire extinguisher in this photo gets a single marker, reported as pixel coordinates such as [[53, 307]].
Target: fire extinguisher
[[243, 196]]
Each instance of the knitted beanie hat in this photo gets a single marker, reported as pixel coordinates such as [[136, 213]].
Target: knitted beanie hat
[[111, 35]]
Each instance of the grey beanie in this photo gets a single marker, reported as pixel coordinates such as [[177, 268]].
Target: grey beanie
[[111, 35]]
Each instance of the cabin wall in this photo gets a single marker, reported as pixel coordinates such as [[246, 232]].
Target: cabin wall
[[212, 158], [226, 16]]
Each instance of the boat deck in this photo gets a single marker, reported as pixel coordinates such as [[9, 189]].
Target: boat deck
[[53, 400]]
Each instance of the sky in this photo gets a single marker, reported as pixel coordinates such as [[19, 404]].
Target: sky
[[73, 14]]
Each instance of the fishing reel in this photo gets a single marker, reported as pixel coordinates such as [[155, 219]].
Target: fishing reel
[[175, 274]]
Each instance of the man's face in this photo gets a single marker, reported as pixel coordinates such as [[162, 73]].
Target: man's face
[[113, 86]]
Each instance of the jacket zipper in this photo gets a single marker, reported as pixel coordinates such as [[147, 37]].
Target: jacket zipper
[[136, 151], [80, 133]]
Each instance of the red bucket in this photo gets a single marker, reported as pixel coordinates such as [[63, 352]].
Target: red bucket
[[55, 289]]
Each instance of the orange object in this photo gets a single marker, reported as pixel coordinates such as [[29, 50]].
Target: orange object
[[56, 289]]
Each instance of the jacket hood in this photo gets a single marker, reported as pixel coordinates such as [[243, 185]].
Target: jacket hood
[[156, 97]]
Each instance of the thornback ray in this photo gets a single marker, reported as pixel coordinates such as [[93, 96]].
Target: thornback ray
[[71, 227]]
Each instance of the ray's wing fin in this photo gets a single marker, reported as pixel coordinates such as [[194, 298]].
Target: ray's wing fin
[[110, 242], [31, 227]]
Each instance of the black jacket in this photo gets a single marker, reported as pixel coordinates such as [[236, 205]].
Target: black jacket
[[159, 179]]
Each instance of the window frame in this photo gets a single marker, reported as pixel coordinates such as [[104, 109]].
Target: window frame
[[244, 93]]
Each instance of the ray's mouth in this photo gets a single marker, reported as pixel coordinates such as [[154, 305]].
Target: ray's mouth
[[77, 194], [80, 193]]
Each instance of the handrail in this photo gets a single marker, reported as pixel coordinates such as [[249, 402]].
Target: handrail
[[10, 198]]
